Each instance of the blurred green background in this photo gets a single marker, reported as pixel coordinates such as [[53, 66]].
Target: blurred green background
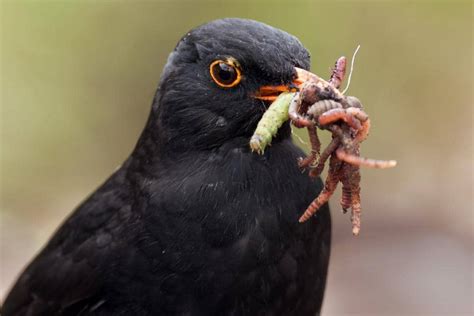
[[78, 77]]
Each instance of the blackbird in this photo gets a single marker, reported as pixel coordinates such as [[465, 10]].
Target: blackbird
[[193, 222]]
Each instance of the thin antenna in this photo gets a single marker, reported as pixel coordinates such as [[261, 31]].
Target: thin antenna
[[298, 137], [352, 68]]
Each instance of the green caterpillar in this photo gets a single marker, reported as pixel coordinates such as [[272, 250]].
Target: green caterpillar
[[272, 119]]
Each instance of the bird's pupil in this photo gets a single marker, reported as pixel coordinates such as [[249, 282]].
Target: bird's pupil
[[226, 73]]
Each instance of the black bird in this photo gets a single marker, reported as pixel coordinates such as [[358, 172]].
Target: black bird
[[194, 223]]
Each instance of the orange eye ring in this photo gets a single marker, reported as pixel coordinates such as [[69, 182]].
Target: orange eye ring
[[225, 73]]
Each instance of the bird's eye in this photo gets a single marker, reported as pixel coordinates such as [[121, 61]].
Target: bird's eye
[[225, 73]]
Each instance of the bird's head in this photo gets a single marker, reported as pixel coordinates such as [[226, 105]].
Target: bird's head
[[220, 79]]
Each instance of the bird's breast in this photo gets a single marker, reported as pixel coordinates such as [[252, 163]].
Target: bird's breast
[[230, 219], [228, 196]]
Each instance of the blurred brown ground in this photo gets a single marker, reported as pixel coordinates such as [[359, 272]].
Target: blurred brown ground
[[77, 80]]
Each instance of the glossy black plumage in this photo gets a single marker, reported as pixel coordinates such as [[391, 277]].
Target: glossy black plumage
[[193, 223]]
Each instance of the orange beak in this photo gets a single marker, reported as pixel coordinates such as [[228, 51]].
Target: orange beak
[[270, 93]]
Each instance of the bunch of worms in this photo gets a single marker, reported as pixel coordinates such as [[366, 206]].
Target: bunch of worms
[[320, 105]]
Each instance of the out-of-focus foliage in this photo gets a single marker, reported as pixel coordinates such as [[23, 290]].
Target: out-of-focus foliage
[[78, 77]]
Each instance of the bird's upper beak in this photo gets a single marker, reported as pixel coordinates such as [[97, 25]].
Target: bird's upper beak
[[270, 93]]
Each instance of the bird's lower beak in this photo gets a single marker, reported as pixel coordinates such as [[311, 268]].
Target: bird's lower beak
[[270, 93]]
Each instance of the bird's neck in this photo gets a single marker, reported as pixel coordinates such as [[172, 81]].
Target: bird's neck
[[156, 143], [152, 152]]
